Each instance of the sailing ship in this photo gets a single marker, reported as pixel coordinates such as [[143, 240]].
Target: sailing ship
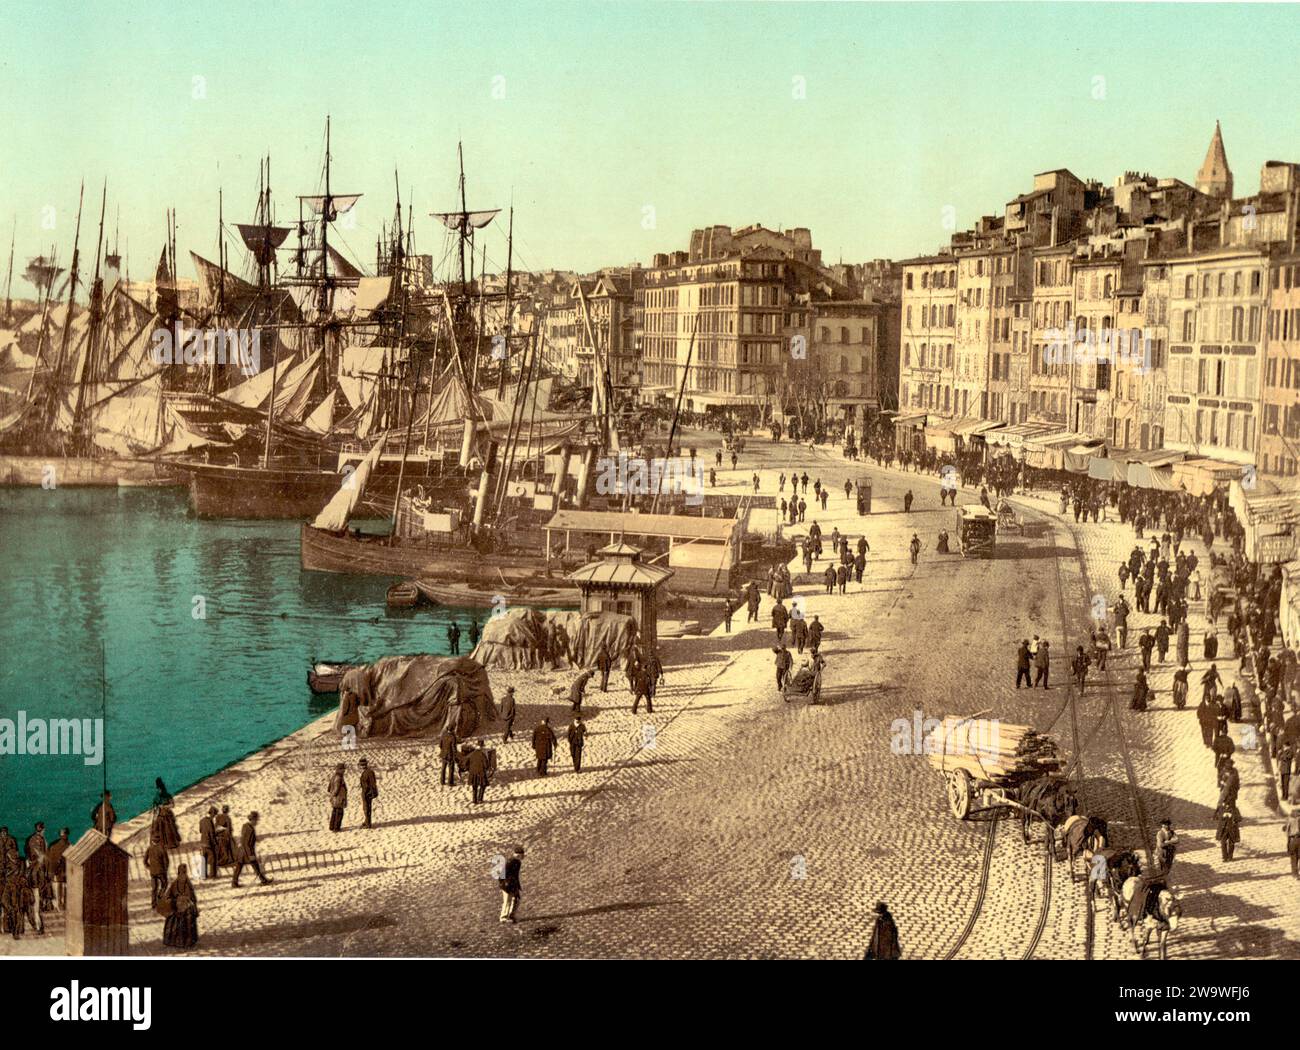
[[80, 399]]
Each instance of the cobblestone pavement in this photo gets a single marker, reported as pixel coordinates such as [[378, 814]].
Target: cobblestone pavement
[[739, 825]]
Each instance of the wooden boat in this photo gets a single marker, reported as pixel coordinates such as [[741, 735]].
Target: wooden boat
[[367, 554], [404, 595], [72, 471], [326, 677], [481, 594]]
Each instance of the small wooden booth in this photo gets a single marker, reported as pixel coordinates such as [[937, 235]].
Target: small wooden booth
[[98, 922], [619, 581]]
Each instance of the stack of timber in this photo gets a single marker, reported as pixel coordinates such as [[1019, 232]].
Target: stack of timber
[[989, 749]]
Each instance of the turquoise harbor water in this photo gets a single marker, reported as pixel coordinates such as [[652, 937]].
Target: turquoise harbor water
[[185, 696]]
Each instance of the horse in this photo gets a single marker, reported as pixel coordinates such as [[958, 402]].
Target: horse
[[1108, 870], [1083, 835], [1050, 799], [1152, 906]]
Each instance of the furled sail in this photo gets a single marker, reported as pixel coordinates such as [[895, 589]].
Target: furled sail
[[338, 204], [464, 221], [295, 389], [336, 514], [128, 420], [262, 241]]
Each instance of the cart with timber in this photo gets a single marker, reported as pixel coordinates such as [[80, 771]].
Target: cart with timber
[[988, 764]]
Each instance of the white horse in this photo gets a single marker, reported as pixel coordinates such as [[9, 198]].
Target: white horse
[[1162, 917]]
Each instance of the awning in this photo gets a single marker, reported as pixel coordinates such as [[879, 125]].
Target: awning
[[1200, 476], [1015, 436], [940, 436], [1102, 469], [1077, 457], [914, 419], [1047, 451]]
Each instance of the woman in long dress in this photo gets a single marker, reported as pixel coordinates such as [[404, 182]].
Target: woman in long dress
[[181, 927], [164, 820]]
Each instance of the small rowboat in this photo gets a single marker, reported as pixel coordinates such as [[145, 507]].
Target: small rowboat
[[485, 596], [404, 595], [326, 677]]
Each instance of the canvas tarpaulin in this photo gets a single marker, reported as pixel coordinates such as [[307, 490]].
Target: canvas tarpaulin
[[515, 640], [413, 695]]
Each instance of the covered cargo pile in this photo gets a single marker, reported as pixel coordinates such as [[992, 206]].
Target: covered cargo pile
[[523, 639], [414, 695], [989, 749]]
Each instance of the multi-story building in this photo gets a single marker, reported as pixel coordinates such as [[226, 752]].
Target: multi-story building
[[1138, 417], [1279, 446], [845, 347], [973, 331], [1022, 305], [1002, 311], [929, 312], [721, 322], [1217, 304], [1095, 342], [1052, 310]]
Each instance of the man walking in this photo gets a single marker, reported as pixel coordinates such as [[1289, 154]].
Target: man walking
[[508, 713], [1023, 663], [915, 547], [780, 618], [543, 745], [156, 863], [511, 888], [884, 942], [447, 753], [603, 663], [577, 738], [783, 662], [1042, 664], [815, 630], [476, 771], [369, 792], [1121, 621], [453, 638], [1292, 829], [208, 843], [338, 793], [247, 852], [577, 691]]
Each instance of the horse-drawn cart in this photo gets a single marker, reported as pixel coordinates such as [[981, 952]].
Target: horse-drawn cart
[[988, 764]]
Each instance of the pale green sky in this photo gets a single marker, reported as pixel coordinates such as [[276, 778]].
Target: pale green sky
[[611, 107]]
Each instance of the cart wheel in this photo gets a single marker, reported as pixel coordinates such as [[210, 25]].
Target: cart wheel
[[959, 793]]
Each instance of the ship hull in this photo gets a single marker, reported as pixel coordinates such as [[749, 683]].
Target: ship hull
[[282, 493], [73, 471], [372, 556]]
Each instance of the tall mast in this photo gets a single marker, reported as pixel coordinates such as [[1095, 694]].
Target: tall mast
[[510, 259], [325, 231], [221, 286], [90, 360], [478, 335], [9, 283], [463, 232], [72, 291]]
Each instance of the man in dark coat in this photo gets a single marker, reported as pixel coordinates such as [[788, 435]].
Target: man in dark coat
[[829, 577], [884, 936], [780, 618], [783, 663], [815, 631], [476, 772], [604, 662], [508, 713], [338, 793], [1023, 664], [511, 888], [369, 791], [103, 816], [208, 843], [447, 752], [247, 852], [1121, 621], [799, 632], [577, 738], [156, 863], [543, 745], [1207, 714], [58, 867], [579, 688], [453, 638]]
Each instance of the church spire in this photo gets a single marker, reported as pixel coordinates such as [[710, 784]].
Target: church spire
[[1215, 177]]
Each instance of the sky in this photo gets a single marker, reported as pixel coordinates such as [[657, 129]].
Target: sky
[[617, 128]]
